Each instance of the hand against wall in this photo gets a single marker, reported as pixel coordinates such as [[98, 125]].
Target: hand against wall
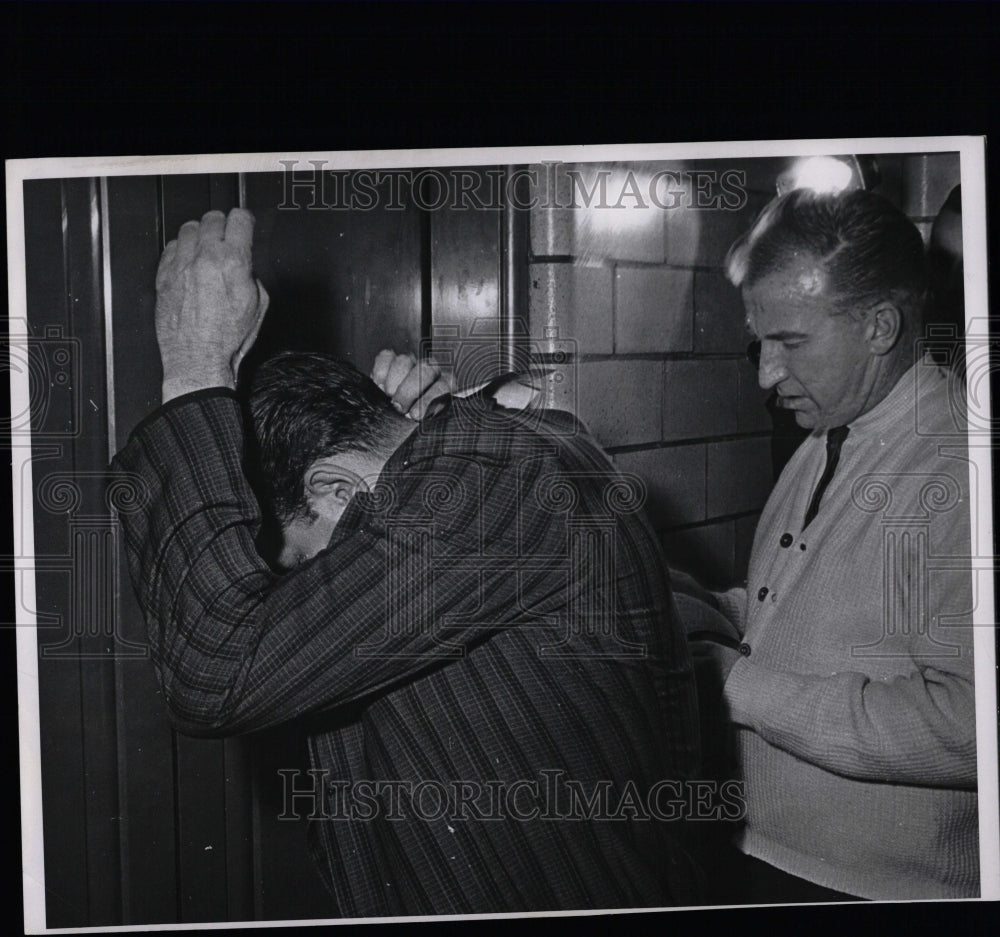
[[209, 308], [411, 385]]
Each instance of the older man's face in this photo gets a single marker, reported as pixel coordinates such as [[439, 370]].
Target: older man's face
[[819, 363]]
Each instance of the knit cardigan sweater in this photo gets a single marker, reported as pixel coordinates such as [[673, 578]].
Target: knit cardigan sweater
[[854, 705]]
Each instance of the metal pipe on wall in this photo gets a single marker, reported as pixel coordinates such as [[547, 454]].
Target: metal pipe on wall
[[514, 220]]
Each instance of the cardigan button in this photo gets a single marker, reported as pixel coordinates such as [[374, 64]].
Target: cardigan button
[[745, 649], [786, 540], [762, 594]]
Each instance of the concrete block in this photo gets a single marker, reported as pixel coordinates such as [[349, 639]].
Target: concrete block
[[675, 482], [756, 174], [745, 529], [574, 303], [751, 413], [620, 401], [599, 212], [705, 551], [653, 309], [702, 237], [719, 316], [699, 398], [739, 475]]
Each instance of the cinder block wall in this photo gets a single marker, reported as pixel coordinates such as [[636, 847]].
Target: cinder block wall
[[658, 371]]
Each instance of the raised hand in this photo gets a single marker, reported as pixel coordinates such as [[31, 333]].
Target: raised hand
[[209, 308], [411, 385]]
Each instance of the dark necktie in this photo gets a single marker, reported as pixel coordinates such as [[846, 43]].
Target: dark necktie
[[834, 440]]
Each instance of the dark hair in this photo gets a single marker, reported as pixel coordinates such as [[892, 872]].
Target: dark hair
[[869, 248], [307, 406]]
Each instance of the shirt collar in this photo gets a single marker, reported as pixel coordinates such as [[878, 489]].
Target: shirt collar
[[900, 400]]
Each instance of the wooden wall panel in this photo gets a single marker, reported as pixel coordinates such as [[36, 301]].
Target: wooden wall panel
[[143, 826], [90, 526], [465, 263], [344, 282], [60, 712], [146, 757], [200, 763]]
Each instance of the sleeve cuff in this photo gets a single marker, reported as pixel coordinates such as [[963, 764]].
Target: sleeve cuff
[[195, 396], [738, 692], [732, 603], [757, 696]]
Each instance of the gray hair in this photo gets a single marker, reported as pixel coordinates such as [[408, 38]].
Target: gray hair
[[870, 250]]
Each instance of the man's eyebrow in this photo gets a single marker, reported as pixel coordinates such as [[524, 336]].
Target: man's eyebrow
[[784, 336]]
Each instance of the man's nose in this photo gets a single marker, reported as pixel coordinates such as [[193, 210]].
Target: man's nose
[[771, 370]]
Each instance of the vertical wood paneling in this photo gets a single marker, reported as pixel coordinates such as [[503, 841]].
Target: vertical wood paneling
[[141, 825], [224, 194], [345, 282], [288, 883], [60, 711], [146, 759], [465, 292], [200, 763], [239, 830], [93, 597]]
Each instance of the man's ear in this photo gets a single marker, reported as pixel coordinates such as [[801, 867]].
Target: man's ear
[[885, 325], [326, 480]]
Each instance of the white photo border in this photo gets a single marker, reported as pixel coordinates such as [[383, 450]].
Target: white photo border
[[972, 157]]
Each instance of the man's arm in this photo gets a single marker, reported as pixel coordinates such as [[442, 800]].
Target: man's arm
[[730, 603], [238, 647], [913, 727], [917, 729]]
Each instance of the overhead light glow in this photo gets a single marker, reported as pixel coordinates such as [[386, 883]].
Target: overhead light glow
[[821, 174]]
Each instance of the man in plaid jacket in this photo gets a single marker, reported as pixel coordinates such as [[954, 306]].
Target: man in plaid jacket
[[471, 612]]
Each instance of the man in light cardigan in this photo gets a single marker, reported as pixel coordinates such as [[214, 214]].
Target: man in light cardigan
[[850, 694], [844, 666]]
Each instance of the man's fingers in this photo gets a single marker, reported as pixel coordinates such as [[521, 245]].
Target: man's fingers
[[264, 301], [239, 229], [517, 395], [166, 260], [398, 370], [187, 243], [439, 388], [380, 369], [420, 378], [213, 226]]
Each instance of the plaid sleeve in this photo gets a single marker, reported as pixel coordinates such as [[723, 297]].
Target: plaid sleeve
[[238, 647]]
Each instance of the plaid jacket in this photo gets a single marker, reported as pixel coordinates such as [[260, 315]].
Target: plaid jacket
[[500, 701]]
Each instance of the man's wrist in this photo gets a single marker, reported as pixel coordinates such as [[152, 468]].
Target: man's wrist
[[180, 384]]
